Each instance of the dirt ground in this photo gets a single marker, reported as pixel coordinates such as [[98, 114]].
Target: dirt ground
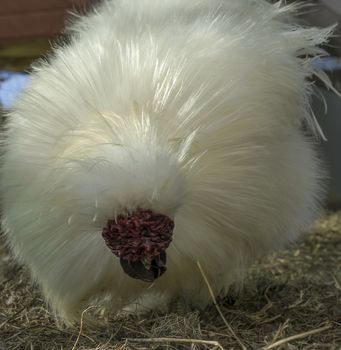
[[291, 300]]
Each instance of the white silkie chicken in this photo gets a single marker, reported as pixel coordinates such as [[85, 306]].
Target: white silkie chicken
[[164, 133]]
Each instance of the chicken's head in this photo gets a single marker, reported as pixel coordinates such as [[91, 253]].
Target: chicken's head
[[140, 240]]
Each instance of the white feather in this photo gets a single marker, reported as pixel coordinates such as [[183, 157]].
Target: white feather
[[191, 108]]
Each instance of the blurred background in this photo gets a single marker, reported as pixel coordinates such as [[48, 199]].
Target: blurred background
[[28, 26]]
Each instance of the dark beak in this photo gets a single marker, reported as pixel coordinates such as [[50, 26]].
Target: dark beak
[[136, 269]]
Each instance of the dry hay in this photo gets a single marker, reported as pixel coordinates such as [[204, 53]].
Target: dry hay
[[291, 300]]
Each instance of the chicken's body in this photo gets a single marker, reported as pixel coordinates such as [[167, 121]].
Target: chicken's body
[[188, 108]]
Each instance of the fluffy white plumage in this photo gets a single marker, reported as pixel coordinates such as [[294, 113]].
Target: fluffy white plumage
[[191, 108]]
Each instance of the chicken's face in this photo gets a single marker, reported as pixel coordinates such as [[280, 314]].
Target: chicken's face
[[127, 187], [140, 240]]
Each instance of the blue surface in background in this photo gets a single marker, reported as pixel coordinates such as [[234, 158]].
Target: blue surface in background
[[327, 63], [11, 84]]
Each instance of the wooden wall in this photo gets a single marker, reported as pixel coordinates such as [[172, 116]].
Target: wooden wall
[[27, 19]]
